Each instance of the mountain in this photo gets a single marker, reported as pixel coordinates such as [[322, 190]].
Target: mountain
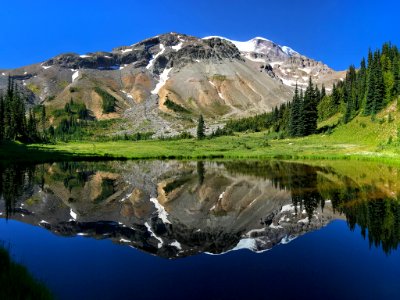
[[163, 83]]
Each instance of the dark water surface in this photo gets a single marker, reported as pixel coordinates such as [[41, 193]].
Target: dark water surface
[[205, 230]]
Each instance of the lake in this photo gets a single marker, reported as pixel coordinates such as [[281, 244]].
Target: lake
[[205, 230]]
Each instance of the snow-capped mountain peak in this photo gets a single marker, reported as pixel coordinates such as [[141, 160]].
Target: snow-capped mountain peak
[[287, 64], [260, 45], [289, 51]]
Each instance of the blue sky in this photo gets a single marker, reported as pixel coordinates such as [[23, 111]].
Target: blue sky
[[337, 32]]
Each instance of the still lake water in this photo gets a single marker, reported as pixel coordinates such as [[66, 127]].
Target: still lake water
[[205, 230]]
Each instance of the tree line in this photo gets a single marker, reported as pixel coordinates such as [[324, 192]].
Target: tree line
[[364, 91], [15, 122], [367, 90], [296, 118]]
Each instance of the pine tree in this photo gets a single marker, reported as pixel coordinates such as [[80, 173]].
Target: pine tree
[[379, 91], [295, 114], [361, 84], [13, 124], [369, 100], [201, 128], [32, 126], [310, 113], [396, 76], [301, 124], [43, 118], [335, 95], [323, 92], [1, 118], [348, 109], [9, 130]]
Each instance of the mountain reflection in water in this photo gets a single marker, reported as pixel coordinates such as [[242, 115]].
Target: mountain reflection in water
[[176, 209]]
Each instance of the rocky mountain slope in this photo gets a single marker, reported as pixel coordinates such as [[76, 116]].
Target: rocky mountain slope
[[287, 64], [163, 83]]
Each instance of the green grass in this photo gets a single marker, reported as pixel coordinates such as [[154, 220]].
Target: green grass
[[332, 121], [16, 282], [361, 139], [251, 145]]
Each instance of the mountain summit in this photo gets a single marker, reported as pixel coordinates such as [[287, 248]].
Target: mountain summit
[[163, 83]]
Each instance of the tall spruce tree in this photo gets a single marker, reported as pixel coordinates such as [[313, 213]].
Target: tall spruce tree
[[201, 128], [295, 114], [43, 118], [361, 84], [396, 75], [323, 92], [1, 118], [379, 91], [369, 99], [13, 124], [301, 124], [309, 112]]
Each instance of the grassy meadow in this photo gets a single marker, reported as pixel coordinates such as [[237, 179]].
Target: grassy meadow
[[363, 139]]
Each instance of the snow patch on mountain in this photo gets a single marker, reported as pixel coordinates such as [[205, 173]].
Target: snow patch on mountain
[[75, 76], [126, 50], [257, 45], [177, 47], [151, 62], [289, 51], [164, 76]]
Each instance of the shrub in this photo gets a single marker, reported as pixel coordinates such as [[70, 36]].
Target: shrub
[[175, 107], [109, 101]]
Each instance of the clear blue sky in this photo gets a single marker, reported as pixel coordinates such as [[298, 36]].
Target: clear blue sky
[[337, 32]]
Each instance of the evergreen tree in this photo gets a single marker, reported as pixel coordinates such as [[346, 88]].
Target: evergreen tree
[[369, 101], [13, 123], [295, 114], [323, 92], [301, 124], [349, 94], [201, 128], [361, 84], [310, 113], [348, 111], [1, 118], [32, 125], [379, 91], [335, 95], [43, 118], [396, 76]]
